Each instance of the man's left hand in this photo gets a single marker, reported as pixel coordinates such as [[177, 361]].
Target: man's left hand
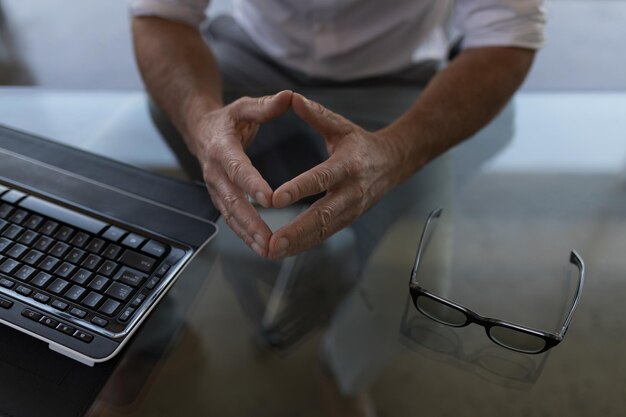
[[362, 166]]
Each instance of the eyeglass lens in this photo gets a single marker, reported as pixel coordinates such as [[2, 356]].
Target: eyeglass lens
[[508, 337], [441, 312], [516, 339]]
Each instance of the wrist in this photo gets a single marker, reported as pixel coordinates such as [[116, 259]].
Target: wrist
[[412, 144], [198, 115]]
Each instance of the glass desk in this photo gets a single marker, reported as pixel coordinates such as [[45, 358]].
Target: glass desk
[[334, 330]]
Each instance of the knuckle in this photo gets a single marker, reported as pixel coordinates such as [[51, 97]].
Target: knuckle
[[234, 167], [228, 217], [246, 222], [323, 178], [230, 200], [318, 108], [262, 101], [360, 193], [324, 216]]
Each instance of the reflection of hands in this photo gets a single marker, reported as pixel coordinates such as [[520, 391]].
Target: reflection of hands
[[362, 166], [229, 174]]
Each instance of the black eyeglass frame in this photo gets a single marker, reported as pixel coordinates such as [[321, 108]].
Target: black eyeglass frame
[[550, 339]]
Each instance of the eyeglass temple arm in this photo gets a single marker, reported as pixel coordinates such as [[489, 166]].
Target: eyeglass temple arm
[[435, 214], [580, 264]]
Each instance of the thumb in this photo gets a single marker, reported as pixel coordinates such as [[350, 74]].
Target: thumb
[[263, 109], [321, 119]]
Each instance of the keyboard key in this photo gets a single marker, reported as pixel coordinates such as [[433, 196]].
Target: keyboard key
[[119, 291], [34, 221], [28, 237], [99, 321], [133, 240], [75, 256], [32, 257], [130, 276], [42, 298], [49, 321], [81, 276], [98, 283], [3, 189], [85, 337], [25, 291], [3, 224], [91, 262], [41, 279], [4, 244], [63, 214], [74, 293], [127, 314], [6, 283], [58, 286], [78, 312], [138, 300], [92, 300], [13, 196], [4, 303], [154, 248], [49, 263], [96, 246], [152, 283], [162, 270], [49, 227], [62, 327], [31, 314], [12, 231], [65, 270], [9, 266], [64, 234], [16, 251], [24, 273], [114, 233], [137, 260], [108, 268], [59, 249], [5, 210], [59, 305], [43, 243], [18, 216], [112, 251], [80, 239], [109, 307]]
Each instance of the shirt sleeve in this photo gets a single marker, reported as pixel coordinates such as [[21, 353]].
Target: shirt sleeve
[[191, 12], [501, 23]]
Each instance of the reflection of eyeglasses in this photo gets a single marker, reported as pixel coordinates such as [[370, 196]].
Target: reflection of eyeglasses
[[509, 335]]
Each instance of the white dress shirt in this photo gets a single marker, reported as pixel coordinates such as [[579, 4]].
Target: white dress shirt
[[351, 39]]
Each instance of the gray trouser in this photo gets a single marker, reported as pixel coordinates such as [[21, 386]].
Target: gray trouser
[[286, 147], [246, 71]]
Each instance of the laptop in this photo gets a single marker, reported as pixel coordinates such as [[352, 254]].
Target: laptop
[[89, 246]]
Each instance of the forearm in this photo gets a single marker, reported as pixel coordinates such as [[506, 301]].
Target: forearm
[[458, 102], [179, 71]]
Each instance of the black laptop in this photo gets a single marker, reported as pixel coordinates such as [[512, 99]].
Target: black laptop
[[89, 246]]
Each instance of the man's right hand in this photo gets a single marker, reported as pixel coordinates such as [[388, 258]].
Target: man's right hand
[[219, 139]]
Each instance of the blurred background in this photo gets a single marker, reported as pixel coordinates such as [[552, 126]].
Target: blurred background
[[78, 44]]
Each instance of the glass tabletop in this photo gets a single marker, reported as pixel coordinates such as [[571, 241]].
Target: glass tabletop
[[333, 331]]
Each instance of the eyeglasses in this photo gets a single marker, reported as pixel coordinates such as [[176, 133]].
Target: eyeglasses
[[506, 334]]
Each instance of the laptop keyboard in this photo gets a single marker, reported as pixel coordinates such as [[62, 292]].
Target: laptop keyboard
[[84, 271]]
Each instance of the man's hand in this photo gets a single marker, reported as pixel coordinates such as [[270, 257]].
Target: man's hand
[[362, 166], [220, 138]]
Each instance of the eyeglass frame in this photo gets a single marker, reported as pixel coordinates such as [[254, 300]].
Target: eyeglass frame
[[551, 339]]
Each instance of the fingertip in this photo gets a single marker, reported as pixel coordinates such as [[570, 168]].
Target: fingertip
[[282, 199], [278, 247], [262, 199]]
